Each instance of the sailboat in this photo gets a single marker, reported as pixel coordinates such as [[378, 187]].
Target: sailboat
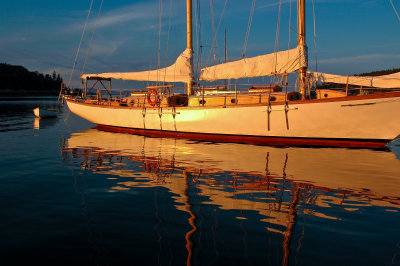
[[263, 115]]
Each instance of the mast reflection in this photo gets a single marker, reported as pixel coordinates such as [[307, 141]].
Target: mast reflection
[[277, 183]]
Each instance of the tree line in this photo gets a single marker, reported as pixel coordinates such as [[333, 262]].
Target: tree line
[[17, 80], [329, 85], [380, 72]]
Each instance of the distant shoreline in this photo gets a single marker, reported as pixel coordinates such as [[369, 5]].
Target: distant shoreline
[[27, 97], [27, 93], [17, 81]]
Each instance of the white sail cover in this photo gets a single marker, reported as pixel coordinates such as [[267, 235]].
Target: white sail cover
[[288, 61], [180, 71], [385, 81]]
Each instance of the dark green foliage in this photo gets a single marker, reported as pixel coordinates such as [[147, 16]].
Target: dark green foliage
[[17, 80], [329, 85], [380, 72]]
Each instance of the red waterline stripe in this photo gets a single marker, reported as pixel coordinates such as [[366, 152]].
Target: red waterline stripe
[[258, 140]]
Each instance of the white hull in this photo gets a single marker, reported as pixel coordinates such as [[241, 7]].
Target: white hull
[[363, 118]]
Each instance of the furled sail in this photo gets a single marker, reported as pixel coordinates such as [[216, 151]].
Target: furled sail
[[288, 61], [180, 71], [385, 81]]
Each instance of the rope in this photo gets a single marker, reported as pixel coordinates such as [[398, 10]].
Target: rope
[[315, 39], [80, 43], [290, 23], [91, 39], [290, 27], [220, 20], [219, 24], [198, 34], [169, 30], [253, 5], [152, 57], [277, 34], [213, 27], [394, 8], [159, 36], [273, 78]]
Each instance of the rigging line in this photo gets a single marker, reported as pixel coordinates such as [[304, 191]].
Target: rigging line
[[169, 30], [213, 27], [277, 36], [253, 5], [152, 57], [176, 22], [219, 24], [198, 34], [92, 37], [315, 37], [289, 31], [290, 25], [196, 22], [80, 43], [394, 8], [220, 20], [159, 35], [197, 12]]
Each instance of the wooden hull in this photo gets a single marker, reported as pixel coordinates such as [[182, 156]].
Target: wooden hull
[[355, 121]]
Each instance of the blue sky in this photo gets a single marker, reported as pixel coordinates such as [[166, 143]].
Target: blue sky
[[353, 36]]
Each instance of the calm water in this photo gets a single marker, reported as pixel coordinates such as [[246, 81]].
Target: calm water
[[71, 194]]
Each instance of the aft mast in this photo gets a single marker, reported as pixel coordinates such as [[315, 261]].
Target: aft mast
[[189, 42], [301, 42]]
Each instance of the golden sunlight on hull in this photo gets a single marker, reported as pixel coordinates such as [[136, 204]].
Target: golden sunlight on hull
[[365, 119]]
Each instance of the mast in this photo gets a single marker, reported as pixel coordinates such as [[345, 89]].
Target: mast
[[189, 41], [301, 41]]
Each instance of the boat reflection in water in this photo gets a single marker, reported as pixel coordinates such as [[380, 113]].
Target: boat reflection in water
[[277, 184], [40, 123]]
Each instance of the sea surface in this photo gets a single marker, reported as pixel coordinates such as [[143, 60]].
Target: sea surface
[[73, 195]]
